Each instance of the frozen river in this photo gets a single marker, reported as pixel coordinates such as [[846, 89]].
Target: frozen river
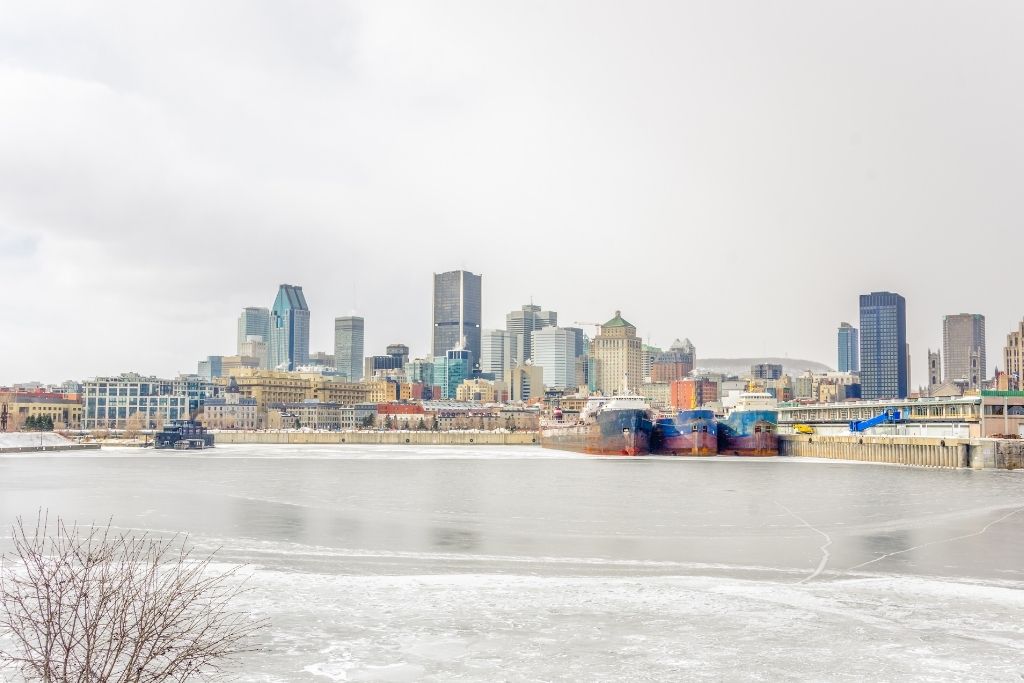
[[384, 564]]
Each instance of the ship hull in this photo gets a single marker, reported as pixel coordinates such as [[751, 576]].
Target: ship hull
[[689, 432], [620, 432], [750, 433]]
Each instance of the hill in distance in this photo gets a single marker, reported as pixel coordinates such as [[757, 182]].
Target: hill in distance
[[741, 366]]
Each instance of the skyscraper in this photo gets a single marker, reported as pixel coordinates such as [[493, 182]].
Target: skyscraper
[[457, 313], [1013, 355], [554, 350], [849, 348], [963, 346], [289, 329], [523, 322], [254, 322], [497, 353], [883, 346], [348, 347], [616, 351]]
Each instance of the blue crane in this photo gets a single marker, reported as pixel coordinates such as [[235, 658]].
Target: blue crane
[[888, 416]]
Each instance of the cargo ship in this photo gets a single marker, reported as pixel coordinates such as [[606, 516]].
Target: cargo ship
[[688, 432], [751, 426], [607, 425]]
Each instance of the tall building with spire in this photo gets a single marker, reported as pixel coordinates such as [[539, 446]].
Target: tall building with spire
[[289, 329], [457, 313], [616, 352]]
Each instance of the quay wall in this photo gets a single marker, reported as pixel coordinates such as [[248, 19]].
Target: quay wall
[[382, 438], [919, 451], [51, 448]]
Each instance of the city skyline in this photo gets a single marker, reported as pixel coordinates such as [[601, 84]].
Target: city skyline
[[442, 137]]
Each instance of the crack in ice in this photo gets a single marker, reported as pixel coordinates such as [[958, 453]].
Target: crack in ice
[[941, 540], [825, 555]]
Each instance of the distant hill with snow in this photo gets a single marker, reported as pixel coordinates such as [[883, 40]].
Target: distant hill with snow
[[741, 366]]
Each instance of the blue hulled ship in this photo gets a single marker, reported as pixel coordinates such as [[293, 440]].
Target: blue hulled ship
[[751, 426], [688, 432]]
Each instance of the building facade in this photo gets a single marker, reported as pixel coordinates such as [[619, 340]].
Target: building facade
[[451, 370], [527, 383], [231, 411], [963, 349], [256, 347], [289, 329], [497, 353], [522, 324], [457, 314], [674, 364], [1013, 356], [849, 348], [253, 322], [766, 371], [884, 355], [131, 399], [554, 351], [348, 347], [617, 352]]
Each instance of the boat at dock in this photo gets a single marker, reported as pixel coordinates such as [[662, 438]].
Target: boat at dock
[[183, 435], [607, 425], [688, 432], [750, 426]]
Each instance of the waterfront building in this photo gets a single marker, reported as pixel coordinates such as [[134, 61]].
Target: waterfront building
[[849, 348], [523, 323], [554, 351], [884, 353], [253, 322], [478, 390], [131, 399], [338, 391], [272, 386], [451, 370], [387, 390], [674, 364], [64, 410], [617, 351], [256, 347], [1013, 356], [497, 353], [308, 414], [526, 383], [963, 349], [766, 371], [231, 411], [401, 416], [348, 347], [457, 314], [289, 329]]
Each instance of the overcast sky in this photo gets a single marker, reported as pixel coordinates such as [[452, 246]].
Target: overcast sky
[[732, 172]]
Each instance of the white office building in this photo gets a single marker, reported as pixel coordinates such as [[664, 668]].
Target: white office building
[[554, 350]]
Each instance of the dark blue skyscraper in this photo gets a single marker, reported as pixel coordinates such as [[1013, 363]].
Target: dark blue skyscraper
[[849, 348], [883, 346], [289, 329]]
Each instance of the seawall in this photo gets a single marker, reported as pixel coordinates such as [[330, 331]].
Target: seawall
[[904, 450], [390, 438]]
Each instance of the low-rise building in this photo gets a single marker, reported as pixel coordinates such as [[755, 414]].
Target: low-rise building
[[478, 390], [64, 411], [231, 411]]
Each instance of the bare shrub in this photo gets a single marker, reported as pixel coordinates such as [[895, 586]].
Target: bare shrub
[[91, 604]]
